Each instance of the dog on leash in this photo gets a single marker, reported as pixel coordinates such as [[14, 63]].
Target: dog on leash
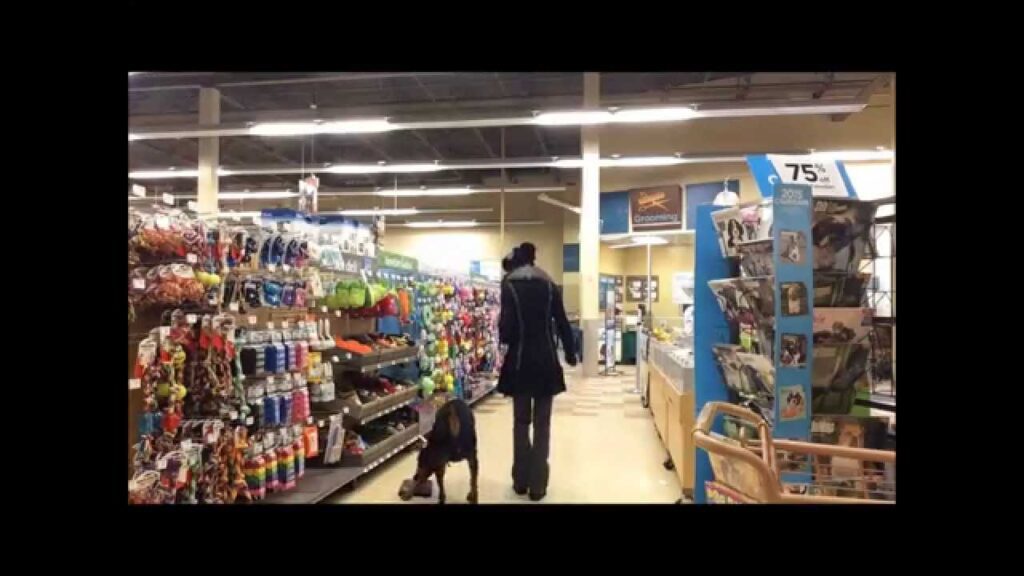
[[452, 439]]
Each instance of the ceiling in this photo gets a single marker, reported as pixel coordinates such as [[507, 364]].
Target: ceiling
[[169, 99]]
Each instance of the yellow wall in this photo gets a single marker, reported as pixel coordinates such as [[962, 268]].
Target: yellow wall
[[453, 249], [665, 261]]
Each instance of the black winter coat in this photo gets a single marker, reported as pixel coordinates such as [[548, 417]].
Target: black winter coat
[[530, 301]]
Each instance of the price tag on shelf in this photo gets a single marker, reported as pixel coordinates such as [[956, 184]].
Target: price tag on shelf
[[233, 415], [191, 258], [320, 423], [344, 410], [168, 199], [249, 421], [323, 309], [252, 320], [284, 324], [192, 205], [270, 325], [138, 191], [309, 420], [138, 283], [286, 267], [233, 307], [271, 267], [191, 318], [186, 445], [134, 383], [337, 313], [161, 464], [302, 324]]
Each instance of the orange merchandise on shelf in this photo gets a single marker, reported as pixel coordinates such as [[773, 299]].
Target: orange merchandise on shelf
[[352, 346]]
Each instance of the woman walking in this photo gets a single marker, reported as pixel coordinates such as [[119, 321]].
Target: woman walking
[[531, 309]]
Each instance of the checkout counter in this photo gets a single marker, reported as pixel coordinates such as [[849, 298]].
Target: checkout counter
[[665, 381]]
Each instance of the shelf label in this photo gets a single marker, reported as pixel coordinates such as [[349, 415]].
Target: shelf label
[[191, 258], [168, 199], [252, 320], [270, 325], [191, 318], [134, 383], [233, 307], [139, 283], [138, 191]]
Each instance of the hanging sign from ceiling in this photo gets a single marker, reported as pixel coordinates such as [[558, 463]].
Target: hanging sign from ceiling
[[656, 208], [825, 177], [393, 261]]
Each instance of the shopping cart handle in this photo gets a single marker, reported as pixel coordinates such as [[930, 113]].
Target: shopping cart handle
[[707, 415]]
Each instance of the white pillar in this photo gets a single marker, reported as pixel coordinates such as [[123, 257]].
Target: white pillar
[[590, 246], [209, 151]]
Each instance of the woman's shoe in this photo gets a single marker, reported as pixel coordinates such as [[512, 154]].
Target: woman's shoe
[[537, 497], [520, 491]]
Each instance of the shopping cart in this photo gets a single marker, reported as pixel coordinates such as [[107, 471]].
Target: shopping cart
[[764, 470]]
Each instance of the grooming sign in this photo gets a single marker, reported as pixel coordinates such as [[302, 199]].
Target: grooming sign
[[825, 177], [656, 208]]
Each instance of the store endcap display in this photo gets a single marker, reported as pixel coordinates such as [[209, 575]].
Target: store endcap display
[[743, 223], [841, 231], [750, 376], [756, 258], [839, 289], [749, 304], [846, 477]]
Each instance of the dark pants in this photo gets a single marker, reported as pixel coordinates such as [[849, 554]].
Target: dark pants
[[530, 468]]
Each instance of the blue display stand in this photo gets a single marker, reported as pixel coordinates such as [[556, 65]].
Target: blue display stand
[[710, 328], [794, 313], [794, 308]]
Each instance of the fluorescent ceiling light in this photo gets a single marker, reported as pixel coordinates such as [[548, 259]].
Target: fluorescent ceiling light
[[640, 161], [303, 128], [381, 168], [649, 240], [132, 137], [555, 118], [573, 118], [377, 212], [855, 155], [273, 195], [425, 192], [473, 224], [549, 200], [443, 224], [238, 215], [654, 114], [156, 174]]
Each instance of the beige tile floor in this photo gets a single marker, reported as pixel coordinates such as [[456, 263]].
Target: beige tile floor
[[604, 450]]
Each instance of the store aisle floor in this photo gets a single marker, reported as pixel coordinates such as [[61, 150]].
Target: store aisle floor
[[604, 450]]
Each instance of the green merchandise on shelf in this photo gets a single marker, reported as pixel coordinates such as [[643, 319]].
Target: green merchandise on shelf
[[357, 295]]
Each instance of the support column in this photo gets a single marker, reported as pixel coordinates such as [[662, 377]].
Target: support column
[[209, 151], [590, 242]]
